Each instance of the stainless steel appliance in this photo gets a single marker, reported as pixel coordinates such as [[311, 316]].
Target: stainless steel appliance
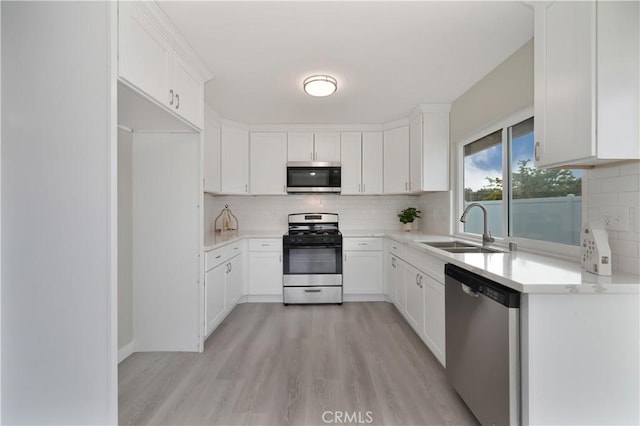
[[313, 176], [312, 261], [483, 345]]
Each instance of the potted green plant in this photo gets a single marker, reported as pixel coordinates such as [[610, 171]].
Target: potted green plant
[[407, 216]]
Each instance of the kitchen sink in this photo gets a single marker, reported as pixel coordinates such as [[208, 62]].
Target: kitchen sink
[[448, 244], [471, 249], [460, 247]]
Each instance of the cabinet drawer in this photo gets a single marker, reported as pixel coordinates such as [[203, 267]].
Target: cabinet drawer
[[362, 244], [395, 248], [313, 295], [265, 244], [233, 249], [213, 258], [426, 263]]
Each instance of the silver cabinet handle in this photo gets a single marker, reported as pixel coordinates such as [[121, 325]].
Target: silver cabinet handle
[[393, 262], [246, 187], [417, 275], [170, 96], [265, 245], [280, 258], [318, 290], [420, 282], [345, 257], [311, 155], [218, 256], [359, 188], [177, 101], [406, 186], [363, 244], [363, 188], [536, 151]]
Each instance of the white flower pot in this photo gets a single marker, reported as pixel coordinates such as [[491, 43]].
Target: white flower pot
[[407, 226]]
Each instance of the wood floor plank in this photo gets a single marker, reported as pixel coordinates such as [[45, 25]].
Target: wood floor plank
[[270, 364]]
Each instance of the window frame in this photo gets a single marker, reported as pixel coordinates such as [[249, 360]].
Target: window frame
[[543, 247]]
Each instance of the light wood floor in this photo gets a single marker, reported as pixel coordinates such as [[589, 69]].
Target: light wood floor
[[269, 364]]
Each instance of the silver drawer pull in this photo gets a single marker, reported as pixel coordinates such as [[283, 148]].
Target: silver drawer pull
[[363, 244], [218, 256], [265, 245], [313, 291]]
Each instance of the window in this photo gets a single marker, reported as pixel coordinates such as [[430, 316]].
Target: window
[[538, 204]]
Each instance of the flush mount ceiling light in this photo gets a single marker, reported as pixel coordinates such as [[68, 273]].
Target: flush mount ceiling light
[[320, 85]]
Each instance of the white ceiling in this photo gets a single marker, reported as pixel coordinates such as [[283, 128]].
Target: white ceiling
[[388, 56]]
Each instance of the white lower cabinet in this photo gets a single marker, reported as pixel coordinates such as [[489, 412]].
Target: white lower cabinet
[[415, 285], [362, 266], [214, 295], [223, 283], [414, 306], [434, 316], [265, 267], [234, 282]]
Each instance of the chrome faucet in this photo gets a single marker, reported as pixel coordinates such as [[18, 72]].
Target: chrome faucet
[[486, 234]]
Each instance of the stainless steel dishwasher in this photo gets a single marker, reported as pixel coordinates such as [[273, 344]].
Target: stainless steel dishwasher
[[483, 345]]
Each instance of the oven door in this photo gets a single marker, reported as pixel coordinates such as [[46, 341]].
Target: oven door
[[312, 265]]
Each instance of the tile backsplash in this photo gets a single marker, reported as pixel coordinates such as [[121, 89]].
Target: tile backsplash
[[617, 186], [270, 212]]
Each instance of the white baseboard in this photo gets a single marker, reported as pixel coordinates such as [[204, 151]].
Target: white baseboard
[[364, 298], [125, 351]]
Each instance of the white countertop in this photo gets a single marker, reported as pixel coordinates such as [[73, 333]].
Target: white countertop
[[520, 270]]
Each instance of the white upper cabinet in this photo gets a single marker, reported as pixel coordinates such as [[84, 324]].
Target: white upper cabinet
[[429, 149], [151, 58], [234, 160], [361, 159], [300, 146], [396, 160], [351, 170], [268, 163], [144, 55], [308, 146], [211, 155], [327, 146], [587, 80], [188, 92]]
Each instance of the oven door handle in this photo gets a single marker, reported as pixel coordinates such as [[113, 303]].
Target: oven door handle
[[288, 247]]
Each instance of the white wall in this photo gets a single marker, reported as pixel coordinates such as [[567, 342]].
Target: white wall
[[58, 339], [270, 212], [125, 239]]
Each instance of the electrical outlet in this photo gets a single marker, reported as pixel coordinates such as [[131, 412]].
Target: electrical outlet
[[615, 218]]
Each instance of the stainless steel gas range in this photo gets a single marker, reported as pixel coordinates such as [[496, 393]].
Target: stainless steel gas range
[[312, 266]]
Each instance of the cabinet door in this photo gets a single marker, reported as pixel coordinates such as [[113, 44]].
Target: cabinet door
[[300, 146], [414, 308], [371, 163], [362, 272], [188, 92], [350, 152], [143, 54], [265, 273], [563, 82], [435, 151], [235, 161], [268, 163], [211, 156], [401, 271], [391, 277], [415, 154], [396, 160], [327, 146], [234, 282], [434, 316], [214, 288]]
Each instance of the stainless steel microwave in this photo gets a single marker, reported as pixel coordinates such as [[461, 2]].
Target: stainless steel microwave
[[313, 176]]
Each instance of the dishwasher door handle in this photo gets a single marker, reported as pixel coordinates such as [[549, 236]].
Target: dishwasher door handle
[[468, 290]]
